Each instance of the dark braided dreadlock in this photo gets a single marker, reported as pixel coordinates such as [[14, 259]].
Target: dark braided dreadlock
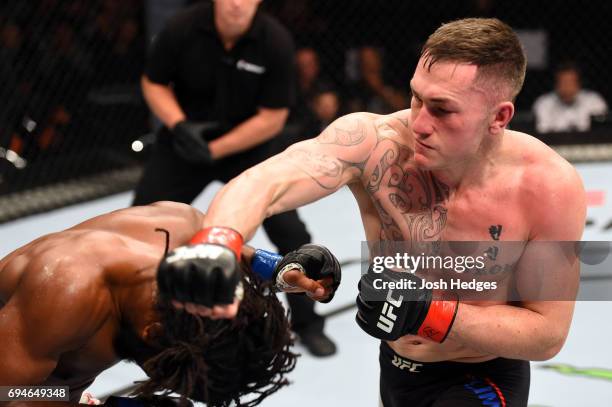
[[220, 361]]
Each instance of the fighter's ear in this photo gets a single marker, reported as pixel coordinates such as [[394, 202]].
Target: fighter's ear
[[502, 114], [152, 331]]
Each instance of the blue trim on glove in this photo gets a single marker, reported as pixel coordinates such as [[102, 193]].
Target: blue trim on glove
[[264, 263]]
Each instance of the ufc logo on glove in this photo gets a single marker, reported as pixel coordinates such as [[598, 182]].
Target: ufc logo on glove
[[387, 317]]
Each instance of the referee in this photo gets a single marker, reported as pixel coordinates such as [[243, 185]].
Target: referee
[[220, 77]]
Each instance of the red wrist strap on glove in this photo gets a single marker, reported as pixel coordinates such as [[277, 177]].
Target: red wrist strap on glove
[[439, 320], [220, 235]]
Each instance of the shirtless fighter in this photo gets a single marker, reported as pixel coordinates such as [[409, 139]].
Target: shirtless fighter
[[74, 303], [447, 169]]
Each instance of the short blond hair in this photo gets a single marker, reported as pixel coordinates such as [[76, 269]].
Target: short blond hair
[[489, 44]]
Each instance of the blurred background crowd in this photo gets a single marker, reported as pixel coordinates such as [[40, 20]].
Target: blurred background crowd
[[69, 72]]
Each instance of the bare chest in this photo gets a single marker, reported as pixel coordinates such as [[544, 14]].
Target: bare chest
[[477, 233], [412, 205]]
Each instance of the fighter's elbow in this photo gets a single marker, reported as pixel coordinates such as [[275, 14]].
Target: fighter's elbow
[[268, 186], [551, 346], [259, 179], [546, 354]]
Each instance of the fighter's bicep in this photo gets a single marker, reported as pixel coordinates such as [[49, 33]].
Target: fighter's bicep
[[549, 268], [350, 138], [24, 363], [56, 308], [546, 284], [338, 155], [311, 169], [547, 271], [322, 168], [547, 278], [561, 212]]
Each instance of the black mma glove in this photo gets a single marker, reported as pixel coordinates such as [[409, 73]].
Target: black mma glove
[[190, 143], [403, 311], [205, 272], [315, 261]]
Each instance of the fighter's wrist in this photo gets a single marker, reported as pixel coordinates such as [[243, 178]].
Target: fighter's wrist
[[439, 319], [263, 263], [221, 235]]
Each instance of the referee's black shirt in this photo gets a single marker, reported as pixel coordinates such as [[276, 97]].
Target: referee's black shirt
[[212, 84]]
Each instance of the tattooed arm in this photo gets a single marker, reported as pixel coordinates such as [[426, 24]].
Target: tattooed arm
[[305, 172]]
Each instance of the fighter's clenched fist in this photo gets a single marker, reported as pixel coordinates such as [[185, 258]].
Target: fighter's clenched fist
[[204, 277]]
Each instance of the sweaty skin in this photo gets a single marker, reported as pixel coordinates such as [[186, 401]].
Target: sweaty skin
[[445, 170], [62, 296]]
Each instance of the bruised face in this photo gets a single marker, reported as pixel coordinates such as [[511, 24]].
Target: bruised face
[[235, 16], [450, 114]]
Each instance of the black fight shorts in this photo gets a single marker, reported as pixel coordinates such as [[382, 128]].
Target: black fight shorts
[[496, 383]]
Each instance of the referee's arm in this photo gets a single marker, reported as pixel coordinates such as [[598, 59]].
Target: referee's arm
[[162, 102], [161, 70]]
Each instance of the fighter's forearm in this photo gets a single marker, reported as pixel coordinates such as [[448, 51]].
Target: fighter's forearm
[[241, 204], [507, 331], [250, 133], [304, 173]]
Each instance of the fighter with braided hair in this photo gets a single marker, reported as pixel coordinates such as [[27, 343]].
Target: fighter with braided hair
[[78, 301]]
